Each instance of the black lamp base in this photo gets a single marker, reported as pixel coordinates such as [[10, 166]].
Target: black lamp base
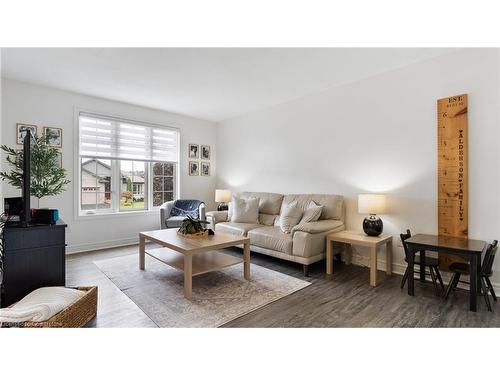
[[373, 225], [222, 207]]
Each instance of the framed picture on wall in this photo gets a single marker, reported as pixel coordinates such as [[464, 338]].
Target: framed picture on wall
[[21, 132], [205, 152], [194, 168], [59, 160], [205, 168], [53, 136], [193, 151]]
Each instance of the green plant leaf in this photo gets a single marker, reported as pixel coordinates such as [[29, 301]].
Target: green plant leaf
[[47, 177]]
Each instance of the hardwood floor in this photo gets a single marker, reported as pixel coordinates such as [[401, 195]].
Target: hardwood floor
[[114, 308], [346, 300]]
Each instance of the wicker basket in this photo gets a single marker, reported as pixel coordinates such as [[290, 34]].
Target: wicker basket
[[75, 315]]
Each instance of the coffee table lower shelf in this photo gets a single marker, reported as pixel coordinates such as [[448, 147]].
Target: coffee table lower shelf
[[202, 263]]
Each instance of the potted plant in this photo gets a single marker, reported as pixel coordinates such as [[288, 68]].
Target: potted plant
[[47, 176], [192, 227]]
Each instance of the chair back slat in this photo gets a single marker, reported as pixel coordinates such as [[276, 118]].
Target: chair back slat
[[489, 258], [404, 237]]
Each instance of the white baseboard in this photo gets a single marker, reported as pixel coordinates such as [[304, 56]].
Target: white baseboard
[[80, 248], [361, 260]]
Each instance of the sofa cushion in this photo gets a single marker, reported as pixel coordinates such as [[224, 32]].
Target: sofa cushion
[[269, 203], [245, 210], [266, 219], [271, 238], [312, 213], [174, 221], [238, 229], [333, 205], [290, 217]]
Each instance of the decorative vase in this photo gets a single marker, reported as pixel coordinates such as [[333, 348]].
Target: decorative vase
[[373, 225]]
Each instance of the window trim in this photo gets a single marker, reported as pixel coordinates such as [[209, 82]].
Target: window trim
[[78, 214]]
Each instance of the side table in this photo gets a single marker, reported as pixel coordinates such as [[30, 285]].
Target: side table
[[360, 239]]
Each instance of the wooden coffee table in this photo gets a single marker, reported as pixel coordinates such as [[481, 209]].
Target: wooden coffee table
[[194, 256]]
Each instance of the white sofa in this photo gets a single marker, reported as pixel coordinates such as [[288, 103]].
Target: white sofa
[[305, 244]]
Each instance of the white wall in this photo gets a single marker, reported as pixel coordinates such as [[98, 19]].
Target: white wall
[[41, 106], [375, 135]]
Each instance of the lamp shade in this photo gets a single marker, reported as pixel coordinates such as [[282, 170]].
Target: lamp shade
[[371, 203], [222, 195]]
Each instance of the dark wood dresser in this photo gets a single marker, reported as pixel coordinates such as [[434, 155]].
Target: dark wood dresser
[[33, 257]]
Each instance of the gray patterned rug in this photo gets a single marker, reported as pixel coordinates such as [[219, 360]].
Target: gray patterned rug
[[218, 297]]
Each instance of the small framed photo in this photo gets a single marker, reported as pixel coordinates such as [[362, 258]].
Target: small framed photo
[[59, 160], [194, 168], [193, 151], [21, 132], [205, 168], [53, 136], [205, 152]]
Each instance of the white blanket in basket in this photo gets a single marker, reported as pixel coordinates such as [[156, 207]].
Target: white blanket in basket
[[40, 305]]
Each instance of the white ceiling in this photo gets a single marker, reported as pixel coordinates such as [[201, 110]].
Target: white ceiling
[[208, 83]]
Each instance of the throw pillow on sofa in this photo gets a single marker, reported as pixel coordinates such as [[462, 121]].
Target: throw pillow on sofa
[[312, 213], [229, 211], [245, 210], [290, 217]]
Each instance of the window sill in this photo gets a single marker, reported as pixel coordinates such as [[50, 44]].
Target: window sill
[[108, 215]]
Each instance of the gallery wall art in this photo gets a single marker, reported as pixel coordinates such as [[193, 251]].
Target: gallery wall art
[[197, 152]]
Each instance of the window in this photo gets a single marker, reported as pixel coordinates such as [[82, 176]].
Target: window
[[95, 184], [163, 182], [124, 165], [132, 185]]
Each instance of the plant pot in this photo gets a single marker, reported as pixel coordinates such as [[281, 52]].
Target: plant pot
[[194, 235]]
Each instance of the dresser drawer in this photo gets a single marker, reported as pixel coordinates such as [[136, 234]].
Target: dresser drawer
[[29, 238]]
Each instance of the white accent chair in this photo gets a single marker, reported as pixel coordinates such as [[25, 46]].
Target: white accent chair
[[167, 221]]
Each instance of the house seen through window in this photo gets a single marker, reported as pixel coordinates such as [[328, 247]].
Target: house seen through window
[[125, 166]]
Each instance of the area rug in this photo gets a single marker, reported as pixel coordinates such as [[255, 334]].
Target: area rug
[[218, 297]]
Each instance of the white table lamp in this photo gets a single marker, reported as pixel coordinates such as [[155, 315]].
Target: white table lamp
[[223, 197]]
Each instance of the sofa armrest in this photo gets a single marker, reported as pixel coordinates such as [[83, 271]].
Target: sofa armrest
[[217, 216], [317, 226], [165, 209], [201, 211]]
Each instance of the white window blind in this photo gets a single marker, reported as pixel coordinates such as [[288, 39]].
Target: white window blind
[[112, 138]]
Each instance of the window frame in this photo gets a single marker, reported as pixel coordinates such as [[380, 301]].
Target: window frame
[[80, 214]]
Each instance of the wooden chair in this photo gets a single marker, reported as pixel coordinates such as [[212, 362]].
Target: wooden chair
[[460, 269], [430, 263]]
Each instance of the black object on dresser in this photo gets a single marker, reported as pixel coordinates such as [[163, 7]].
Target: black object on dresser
[[33, 257]]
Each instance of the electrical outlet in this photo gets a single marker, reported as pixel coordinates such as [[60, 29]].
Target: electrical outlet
[[399, 243]]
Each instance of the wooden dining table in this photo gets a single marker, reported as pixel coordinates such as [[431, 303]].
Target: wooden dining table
[[469, 249]]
